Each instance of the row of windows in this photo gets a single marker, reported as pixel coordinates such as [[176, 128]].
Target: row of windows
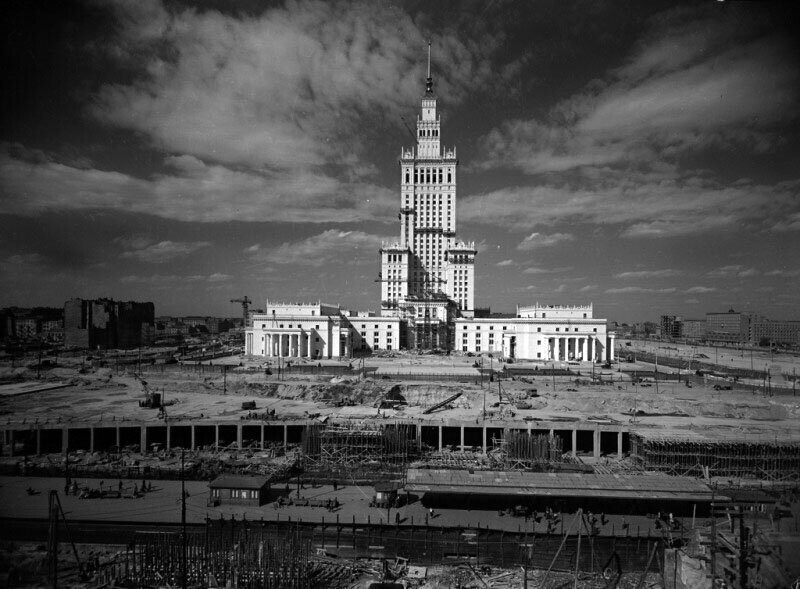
[[538, 329], [430, 176], [429, 132]]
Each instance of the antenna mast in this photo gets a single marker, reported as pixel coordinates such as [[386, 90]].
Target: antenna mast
[[429, 80]]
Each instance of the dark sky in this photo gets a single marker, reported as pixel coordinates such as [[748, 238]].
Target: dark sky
[[642, 156]]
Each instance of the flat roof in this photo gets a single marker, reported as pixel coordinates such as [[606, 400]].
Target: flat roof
[[538, 484], [226, 481]]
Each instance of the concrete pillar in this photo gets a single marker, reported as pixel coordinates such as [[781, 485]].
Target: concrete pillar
[[585, 349], [611, 348], [192, 442], [574, 442], [462, 438], [38, 441], [484, 438], [285, 437], [169, 437], [216, 436], [239, 436], [596, 443], [619, 445], [440, 438], [262, 436], [65, 439], [143, 439]]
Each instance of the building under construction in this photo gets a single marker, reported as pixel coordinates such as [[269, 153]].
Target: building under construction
[[337, 449], [522, 451], [771, 460]]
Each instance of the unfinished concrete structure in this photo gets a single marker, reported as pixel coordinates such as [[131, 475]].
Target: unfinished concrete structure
[[696, 455]]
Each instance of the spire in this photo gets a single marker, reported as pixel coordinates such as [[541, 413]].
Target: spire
[[429, 80]]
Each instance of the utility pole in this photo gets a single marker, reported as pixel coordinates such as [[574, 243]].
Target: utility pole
[[183, 523]]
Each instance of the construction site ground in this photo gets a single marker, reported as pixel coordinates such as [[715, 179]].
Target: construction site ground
[[192, 391]]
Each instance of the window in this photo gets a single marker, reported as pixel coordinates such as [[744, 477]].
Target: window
[[317, 339], [538, 342], [263, 326], [539, 329], [544, 315], [595, 330], [281, 326], [584, 315], [538, 354], [464, 348], [558, 329], [316, 327]]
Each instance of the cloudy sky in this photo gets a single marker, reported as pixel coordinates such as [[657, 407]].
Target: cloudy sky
[[642, 156]]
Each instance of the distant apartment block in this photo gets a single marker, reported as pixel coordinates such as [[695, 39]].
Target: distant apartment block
[[107, 324], [671, 327], [694, 329], [38, 323]]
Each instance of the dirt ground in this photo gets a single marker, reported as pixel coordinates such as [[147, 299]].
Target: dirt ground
[[105, 394]]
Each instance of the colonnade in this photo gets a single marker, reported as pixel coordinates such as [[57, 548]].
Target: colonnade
[[585, 348], [288, 345]]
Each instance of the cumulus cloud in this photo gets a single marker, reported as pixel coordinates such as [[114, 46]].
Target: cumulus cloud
[[639, 289], [614, 152], [273, 89], [505, 263], [143, 249], [537, 240], [537, 270], [172, 279], [783, 273], [320, 250], [699, 289], [648, 274], [214, 193], [733, 271], [647, 205]]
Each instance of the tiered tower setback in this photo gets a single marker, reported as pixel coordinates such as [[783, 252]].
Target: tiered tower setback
[[428, 262]]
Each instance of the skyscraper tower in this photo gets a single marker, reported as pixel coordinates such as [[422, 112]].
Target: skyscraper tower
[[428, 266]]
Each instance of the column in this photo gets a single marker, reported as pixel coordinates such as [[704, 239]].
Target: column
[[440, 438], [619, 445], [119, 438], [262, 436], [169, 437], [484, 437], [585, 348], [574, 442], [239, 436], [216, 436], [462, 438], [192, 441], [596, 443], [285, 437], [143, 439], [610, 347]]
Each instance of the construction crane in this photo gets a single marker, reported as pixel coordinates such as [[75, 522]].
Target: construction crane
[[245, 308]]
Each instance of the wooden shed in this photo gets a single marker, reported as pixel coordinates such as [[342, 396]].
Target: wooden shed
[[238, 490]]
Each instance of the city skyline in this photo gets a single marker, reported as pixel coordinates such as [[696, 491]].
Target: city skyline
[[641, 158]]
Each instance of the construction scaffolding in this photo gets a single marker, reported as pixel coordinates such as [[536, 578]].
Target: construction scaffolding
[[762, 459], [217, 558], [522, 451], [347, 449]]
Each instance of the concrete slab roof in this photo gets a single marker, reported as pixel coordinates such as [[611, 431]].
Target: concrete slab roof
[[533, 484]]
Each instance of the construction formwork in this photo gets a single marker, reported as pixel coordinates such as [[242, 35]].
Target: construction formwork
[[522, 451], [243, 558], [357, 443], [770, 460]]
